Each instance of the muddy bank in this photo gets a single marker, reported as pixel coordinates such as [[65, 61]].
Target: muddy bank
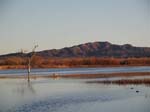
[[102, 75], [82, 76]]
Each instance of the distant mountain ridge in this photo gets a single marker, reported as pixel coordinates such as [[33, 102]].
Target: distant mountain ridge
[[98, 49], [94, 49]]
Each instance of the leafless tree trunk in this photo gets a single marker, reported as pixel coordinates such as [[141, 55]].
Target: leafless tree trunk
[[29, 69], [29, 61]]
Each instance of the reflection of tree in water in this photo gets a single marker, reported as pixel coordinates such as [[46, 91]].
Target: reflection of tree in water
[[25, 88]]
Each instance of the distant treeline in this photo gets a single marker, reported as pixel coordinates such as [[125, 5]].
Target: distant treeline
[[39, 62]]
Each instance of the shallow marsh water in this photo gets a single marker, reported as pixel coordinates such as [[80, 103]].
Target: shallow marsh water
[[72, 95], [48, 95]]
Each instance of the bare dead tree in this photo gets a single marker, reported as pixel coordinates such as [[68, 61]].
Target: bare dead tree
[[31, 55]]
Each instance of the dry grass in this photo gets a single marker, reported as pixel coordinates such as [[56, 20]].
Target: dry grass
[[40, 62]]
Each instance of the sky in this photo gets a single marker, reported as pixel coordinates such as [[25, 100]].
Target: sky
[[54, 24]]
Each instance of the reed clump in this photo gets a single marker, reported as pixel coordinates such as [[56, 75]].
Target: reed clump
[[124, 81]]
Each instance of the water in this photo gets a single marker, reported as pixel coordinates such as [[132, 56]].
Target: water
[[48, 95], [72, 95], [76, 70]]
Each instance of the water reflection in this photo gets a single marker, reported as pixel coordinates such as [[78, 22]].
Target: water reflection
[[25, 88]]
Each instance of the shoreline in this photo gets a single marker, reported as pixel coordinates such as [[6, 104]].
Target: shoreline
[[81, 76], [123, 81]]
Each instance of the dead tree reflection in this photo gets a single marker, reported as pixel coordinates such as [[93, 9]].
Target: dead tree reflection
[[25, 89]]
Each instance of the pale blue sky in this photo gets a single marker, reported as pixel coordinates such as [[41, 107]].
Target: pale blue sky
[[60, 23]]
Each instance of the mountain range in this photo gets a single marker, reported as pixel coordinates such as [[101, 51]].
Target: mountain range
[[93, 49]]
